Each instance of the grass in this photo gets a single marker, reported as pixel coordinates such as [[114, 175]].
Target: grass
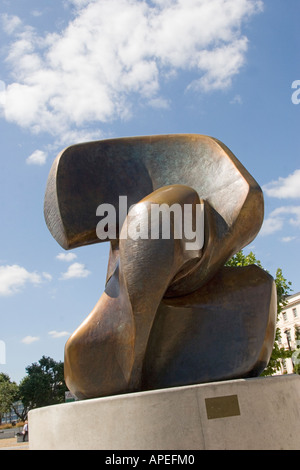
[[10, 426]]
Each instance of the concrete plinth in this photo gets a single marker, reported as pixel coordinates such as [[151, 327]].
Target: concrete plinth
[[248, 414]]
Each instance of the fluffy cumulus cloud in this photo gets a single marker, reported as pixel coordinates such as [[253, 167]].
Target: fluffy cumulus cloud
[[2, 94], [75, 270], [14, 277], [283, 188], [38, 157], [66, 256], [281, 217], [288, 239], [113, 51], [10, 23], [58, 334], [30, 339]]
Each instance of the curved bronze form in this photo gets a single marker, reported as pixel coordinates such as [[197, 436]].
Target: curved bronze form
[[168, 316]]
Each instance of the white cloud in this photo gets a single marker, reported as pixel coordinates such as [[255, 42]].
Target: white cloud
[[114, 51], [288, 239], [79, 135], [79, 3], [58, 334], [283, 188], [36, 13], [14, 277], [66, 256], [2, 93], [10, 23], [279, 218], [47, 276], [76, 270], [160, 103], [38, 157], [237, 100], [221, 65], [271, 225], [30, 339], [293, 211]]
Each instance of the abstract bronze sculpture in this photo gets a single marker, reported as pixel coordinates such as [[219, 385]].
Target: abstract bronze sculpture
[[168, 316]]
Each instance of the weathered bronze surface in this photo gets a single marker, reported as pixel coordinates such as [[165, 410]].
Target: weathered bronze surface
[[168, 316]]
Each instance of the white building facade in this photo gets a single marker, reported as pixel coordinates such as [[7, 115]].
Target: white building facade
[[289, 325]]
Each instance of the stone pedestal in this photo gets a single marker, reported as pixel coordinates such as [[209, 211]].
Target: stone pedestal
[[247, 414]]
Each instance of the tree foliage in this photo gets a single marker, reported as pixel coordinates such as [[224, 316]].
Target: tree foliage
[[44, 384], [296, 355], [283, 288], [9, 394]]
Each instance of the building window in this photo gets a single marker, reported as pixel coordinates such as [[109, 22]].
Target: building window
[[295, 313], [284, 316]]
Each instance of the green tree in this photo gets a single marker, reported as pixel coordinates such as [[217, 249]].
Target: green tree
[[44, 384], [9, 394], [283, 288], [296, 355]]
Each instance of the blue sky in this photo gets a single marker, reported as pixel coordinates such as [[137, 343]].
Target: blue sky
[[82, 70]]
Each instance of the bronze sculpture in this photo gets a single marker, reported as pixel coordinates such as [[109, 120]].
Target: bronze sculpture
[[168, 316]]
